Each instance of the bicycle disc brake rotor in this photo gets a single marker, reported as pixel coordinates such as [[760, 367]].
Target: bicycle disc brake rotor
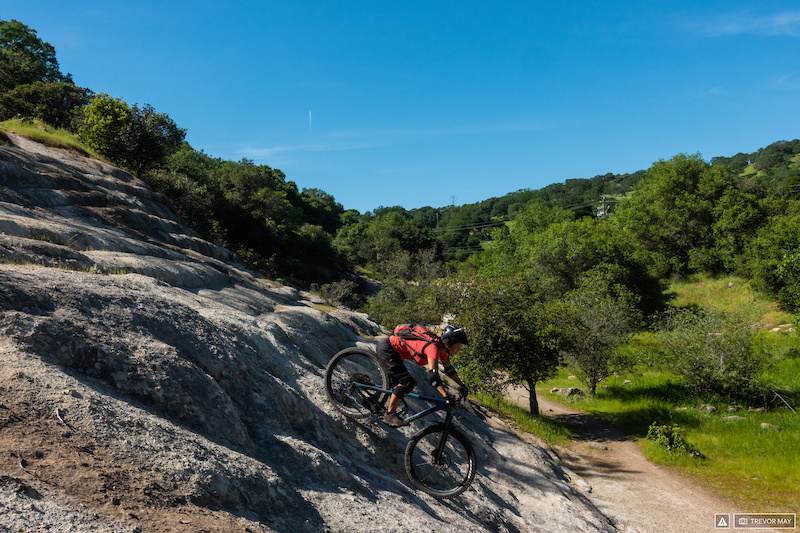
[[443, 463]]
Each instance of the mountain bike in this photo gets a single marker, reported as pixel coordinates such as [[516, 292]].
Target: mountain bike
[[439, 460]]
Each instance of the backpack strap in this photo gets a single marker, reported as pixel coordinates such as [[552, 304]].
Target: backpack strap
[[406, 332], [422, 355]]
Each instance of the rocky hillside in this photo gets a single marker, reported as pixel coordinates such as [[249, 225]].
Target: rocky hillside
[[151, 383]]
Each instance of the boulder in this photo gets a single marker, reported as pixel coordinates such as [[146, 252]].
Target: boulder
[[733, 418]]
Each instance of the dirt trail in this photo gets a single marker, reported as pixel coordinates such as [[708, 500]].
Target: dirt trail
[[638, 495]]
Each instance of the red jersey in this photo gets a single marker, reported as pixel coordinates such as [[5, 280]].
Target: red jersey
[[403, 347]]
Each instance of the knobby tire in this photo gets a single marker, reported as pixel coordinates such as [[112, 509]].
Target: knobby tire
[[350, 366], [455, 470]]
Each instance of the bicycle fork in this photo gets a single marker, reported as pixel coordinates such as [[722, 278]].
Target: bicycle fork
[[439, 453]]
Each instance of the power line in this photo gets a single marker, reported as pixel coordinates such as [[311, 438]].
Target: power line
[[453, 250], [495, 223], [477, 225]]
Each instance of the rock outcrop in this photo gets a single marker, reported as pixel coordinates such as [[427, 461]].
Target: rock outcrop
[[151, 383]]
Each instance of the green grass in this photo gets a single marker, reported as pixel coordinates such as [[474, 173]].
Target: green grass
[[42, 133], [547, 429], [715, 293], [652, 395], [758, 469]]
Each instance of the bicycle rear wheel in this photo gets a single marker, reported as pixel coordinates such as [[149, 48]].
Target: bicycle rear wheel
[[344, 371], [446, 476]]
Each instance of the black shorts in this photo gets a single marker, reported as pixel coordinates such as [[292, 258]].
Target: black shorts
[[390, 360]]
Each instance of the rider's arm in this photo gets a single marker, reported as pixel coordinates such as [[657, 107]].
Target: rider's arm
[[451, 372], [433, 376]]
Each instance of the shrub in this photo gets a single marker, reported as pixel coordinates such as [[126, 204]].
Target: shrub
[[669, 437], [56, 103], [103, 124], [775, 262], [343, 293], [715, 352]]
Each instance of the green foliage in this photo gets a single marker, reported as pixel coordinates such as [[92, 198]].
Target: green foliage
[[510, 247], [559, 257], [775, 263], [514, 338], [354, 244], [461, 230], [401, 302], [24, 58], [252, 210], [715, 352], [672, 438], [737, 217], [465, 230], [775, 154], [407, 277], [56, 103], [322, 209], [31, 84], [556, 253], [186, 180], [103, 125], [671, 213], [136, 138], [597, 317], [148, 139], [377, 243], [342, 293], [508, 252]]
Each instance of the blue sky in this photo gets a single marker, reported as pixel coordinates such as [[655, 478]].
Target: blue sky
[[433, 102]]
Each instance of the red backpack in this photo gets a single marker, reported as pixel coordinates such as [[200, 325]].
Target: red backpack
[[416, 332]]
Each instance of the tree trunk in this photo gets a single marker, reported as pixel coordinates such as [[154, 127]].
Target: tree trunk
[[534, 403]]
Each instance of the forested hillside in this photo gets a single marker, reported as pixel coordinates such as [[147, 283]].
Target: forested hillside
[[735, 214]]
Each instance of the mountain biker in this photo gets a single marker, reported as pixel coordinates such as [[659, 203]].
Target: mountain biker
[[393, 350]]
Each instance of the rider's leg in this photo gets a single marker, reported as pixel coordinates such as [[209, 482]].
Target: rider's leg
[[394, 403], [400, 379], [402, 382], [404, 385]]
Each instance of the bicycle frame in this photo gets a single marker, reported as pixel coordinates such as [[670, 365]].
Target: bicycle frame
[[439, 458], [440, 404]]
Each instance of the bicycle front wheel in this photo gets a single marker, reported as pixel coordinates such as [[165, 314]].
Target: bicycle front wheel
[[442, 475], [345, 371]]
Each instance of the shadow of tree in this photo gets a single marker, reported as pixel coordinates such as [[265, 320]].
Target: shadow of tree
[[635, 408]]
